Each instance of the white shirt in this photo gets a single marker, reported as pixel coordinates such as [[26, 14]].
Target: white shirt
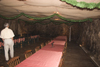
[[7, 33]]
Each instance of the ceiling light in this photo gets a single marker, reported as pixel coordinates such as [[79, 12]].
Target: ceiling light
[[57, 12], [57, 19]]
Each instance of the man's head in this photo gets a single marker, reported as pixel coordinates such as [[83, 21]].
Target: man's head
[[6, 25]]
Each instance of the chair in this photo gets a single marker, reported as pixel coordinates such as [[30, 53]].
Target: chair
[[46, 43], [49, 41], [64, 51], [13, 62], [61, 61], [28, 53], [42, 45], [37, 48], [65, 45]]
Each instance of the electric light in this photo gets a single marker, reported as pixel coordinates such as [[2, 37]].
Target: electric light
[[57, 19], [54, 12], [57, 12]]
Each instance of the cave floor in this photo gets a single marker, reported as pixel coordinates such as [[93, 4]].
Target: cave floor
[[74, 56]]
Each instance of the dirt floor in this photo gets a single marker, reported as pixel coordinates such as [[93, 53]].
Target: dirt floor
[[74, 56]]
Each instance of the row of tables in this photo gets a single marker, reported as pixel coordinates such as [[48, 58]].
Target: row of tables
[[48, 56], [20, 42]]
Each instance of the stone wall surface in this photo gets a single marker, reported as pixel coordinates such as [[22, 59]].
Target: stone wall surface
[[90, 37], [43, 30]]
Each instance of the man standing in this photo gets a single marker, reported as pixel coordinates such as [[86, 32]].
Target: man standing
[[7, 37]]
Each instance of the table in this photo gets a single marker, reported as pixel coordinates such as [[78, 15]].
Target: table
[[48, 56]]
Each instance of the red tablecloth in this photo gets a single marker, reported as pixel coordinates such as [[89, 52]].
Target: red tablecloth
[[48, 56]]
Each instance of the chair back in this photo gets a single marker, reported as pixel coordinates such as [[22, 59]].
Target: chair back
[[37, 48], [49, 41], [28, 53], [42, 45], [13, 62], [46, 43]]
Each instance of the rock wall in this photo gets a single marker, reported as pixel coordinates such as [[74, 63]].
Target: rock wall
[[13, 25], [55, 30], [51, 29], [90, 37]]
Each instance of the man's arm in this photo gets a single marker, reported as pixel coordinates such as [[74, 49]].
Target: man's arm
[[12, 38]]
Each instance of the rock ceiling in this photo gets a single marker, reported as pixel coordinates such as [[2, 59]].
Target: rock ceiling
[[43, 8]]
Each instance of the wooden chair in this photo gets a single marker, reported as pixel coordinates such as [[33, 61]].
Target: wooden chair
[[46, 43], [28, 53], [64, 51], [42, 45], [61, 61], [65, 46], [37, 48], [13, 62]]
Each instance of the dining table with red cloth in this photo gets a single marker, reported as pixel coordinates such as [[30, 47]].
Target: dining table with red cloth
[[48, 56]]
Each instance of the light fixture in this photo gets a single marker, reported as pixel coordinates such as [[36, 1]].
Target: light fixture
[[57, 12], [57, 19], [80, 45]]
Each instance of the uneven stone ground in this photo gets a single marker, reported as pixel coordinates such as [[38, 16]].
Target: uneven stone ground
[[74, 56]]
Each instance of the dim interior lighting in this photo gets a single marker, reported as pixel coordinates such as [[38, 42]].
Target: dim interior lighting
[[57, 19], [31, 19], [83, 48], [80, 45], [57, 12]]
